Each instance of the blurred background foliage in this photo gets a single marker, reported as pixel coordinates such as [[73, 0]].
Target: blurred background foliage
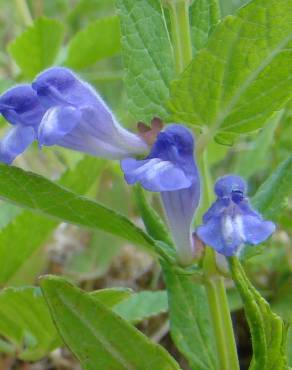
[[85, 36]]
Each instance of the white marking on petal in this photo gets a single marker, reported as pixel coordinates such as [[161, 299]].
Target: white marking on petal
[[145, 167], [231, 227], [161, 166], [238, 225], [227, 229]]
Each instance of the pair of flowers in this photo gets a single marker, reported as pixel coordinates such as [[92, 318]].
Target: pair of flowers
[[60, 109]]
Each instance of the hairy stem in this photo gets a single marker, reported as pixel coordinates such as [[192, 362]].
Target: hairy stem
[[180, 30]]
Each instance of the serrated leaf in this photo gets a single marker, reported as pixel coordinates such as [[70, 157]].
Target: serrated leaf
[[147, 55], [105, 340], [267, 329], [99, 40], [25, 321], [243, 75], [28, 231], [37, 47], [142, 305], [42, 195], [190, 319], [204, 15], [272, 196]]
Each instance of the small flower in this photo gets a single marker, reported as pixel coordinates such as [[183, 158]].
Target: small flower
[[63, 110], [170, 169], [20, 106], [230, 223]]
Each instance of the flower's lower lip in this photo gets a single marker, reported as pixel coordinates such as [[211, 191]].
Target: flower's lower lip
[[5, 107]]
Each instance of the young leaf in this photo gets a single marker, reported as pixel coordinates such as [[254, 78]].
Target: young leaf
[[204, 15], [244, 74], [37, 47], [99, 40], [272, 196], [104, 340], [190, 319], [142, 305], [25, 321], [267, 329], [147, 55], [28, 231], [42, 195]]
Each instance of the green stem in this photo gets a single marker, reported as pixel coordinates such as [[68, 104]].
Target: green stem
[[181, 35], [214, 283], [217, 298], [220, 314], [23, 11]]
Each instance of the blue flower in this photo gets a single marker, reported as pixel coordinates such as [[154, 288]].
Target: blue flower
[[20, 106], [64, 110], [230, 223], [170, 169]]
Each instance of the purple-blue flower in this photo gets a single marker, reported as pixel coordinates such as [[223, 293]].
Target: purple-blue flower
[[170, 169], [20, 106], [60, 109], [230, 223]]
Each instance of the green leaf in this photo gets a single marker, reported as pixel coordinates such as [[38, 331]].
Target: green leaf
[[28, 231], [112, 296], [37, 47], [42, 195], [256, 157], [153, 223], [26, 322], [204, 15], [272, 196], [105, 340], [7, 213], [142, 305], [190, 319], [267, 329], [99, 40], [148, 57], [244, 74]]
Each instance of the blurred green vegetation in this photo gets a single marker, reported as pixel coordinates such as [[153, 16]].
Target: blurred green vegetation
[[271, 271]]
